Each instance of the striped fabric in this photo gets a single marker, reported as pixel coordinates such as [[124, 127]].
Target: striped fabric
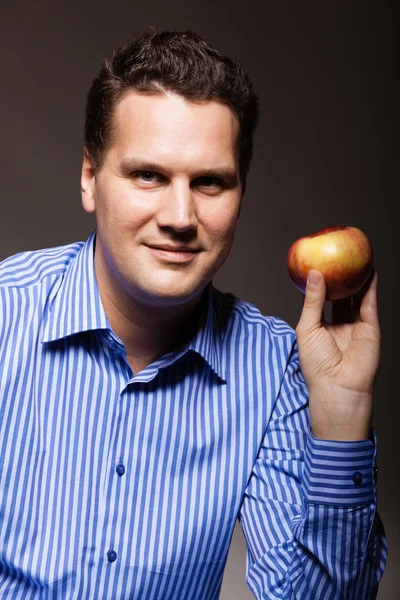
[[123, 486]]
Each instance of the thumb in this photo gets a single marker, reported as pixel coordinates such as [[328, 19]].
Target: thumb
[[314, 299]]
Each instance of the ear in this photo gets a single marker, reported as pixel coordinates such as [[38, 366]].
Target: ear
[[87, 183]]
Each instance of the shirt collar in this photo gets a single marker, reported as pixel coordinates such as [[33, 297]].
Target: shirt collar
[[207, 337], [78, 307]]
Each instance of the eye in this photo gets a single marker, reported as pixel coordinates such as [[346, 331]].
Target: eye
[[146, 176], [153, 177], [209, 182]]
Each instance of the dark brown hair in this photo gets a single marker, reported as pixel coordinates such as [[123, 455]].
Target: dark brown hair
[[180, 62]]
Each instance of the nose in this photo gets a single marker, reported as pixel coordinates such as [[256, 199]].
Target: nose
[[177, 210]]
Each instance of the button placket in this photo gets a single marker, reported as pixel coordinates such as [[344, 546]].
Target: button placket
[[109, 535]]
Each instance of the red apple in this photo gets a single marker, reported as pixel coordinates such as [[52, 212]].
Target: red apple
[[343, 255]]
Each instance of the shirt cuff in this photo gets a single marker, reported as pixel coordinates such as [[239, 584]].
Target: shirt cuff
[[340, 473]]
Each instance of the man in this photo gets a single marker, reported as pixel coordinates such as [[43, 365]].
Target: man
[[142, 410]]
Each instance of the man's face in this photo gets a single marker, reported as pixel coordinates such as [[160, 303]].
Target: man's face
[[169, 178]]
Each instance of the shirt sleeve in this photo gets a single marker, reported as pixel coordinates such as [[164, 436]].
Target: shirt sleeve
[[309, 513]]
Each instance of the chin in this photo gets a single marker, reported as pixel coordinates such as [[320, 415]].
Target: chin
[[170, 294]]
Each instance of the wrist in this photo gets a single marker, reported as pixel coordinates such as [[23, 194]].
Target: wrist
[[342, 434], [340, 415]]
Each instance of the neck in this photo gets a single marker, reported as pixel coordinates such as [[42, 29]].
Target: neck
[[148, 332]]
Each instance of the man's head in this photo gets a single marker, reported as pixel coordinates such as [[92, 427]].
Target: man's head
[[179, 62], [162, 167]]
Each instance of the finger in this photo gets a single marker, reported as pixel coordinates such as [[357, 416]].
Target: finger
[[357, 298], [369, 302], [323, 316], [313, 304], [347, 310]]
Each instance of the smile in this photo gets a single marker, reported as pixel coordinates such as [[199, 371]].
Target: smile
[[173, 256]]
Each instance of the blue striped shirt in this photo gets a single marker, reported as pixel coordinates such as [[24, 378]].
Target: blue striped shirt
[[123, 486]]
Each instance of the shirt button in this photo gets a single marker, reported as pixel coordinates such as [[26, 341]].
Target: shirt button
[[120, 469], [357, 478], [111, 555]]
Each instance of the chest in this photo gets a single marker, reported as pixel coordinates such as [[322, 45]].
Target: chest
[[155, 470]]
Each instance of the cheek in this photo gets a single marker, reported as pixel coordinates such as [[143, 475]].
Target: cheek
[[222, 228], [119, 210]]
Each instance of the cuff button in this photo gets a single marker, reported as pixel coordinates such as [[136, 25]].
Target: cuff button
[[357, 478]]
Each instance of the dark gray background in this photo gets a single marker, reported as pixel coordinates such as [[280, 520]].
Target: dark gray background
[[325, 154]]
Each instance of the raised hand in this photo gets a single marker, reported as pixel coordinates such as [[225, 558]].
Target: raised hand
[[340, 360]]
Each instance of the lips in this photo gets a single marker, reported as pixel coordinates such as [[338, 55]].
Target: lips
[[173, 254], [169, 248]]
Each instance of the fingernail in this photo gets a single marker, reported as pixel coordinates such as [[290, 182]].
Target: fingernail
[[313, 277]]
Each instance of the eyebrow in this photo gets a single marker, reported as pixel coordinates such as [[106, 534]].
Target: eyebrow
[[131, 163]]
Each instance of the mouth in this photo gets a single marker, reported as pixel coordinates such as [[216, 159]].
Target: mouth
[[171, 254]]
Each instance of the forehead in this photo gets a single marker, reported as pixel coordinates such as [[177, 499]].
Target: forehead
[[170, 126]]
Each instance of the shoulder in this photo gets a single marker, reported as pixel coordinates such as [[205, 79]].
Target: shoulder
[[30, 268], [257, 346], [233, 309]]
